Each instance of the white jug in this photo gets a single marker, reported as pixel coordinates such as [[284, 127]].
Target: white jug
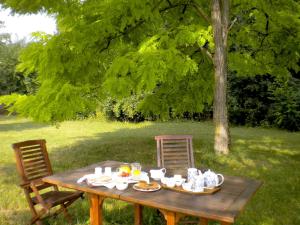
[[157, 174]]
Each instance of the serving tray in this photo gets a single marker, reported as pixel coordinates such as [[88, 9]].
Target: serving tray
[[207, 191]]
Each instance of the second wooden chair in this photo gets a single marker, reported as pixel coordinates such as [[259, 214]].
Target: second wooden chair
[[33, 164]]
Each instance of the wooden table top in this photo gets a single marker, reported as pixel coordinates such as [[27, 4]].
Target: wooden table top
[[224, 205]]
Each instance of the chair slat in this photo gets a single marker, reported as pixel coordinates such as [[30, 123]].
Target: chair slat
[[29, 148], [173, 162], [37, 155], [175, 150], [34, 167], [32, 151], [33, 161], [37, 172]]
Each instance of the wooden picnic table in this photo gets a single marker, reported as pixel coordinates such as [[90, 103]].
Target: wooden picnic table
[[223, 206]]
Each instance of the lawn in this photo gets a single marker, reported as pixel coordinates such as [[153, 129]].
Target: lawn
[[269, 155]]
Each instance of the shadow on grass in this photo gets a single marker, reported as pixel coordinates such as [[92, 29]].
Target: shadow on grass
[[20, 126]]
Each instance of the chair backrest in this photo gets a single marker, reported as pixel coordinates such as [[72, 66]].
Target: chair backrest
[[175, 152], [32, 160]]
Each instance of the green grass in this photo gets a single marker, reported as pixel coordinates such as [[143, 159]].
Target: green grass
[[269, 155]]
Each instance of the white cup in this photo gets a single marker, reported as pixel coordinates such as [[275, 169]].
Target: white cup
[[164, 180], [179, 182], [177, 177], [121, 186], [170, 182], [187, 186], [98, 170], [107, 171]]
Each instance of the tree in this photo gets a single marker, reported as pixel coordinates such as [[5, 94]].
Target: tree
[[10, 80], [161, 50], [220, 22]]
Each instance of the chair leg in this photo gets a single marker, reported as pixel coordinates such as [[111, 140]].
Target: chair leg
[[36, 219], [203, 221], [66, 214]]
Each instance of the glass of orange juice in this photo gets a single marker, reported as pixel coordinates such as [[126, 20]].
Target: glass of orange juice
[[136, 169]]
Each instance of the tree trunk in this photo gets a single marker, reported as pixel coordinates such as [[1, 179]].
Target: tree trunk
[[220, 18]]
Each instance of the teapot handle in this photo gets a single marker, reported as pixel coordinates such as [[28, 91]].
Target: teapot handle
[[163, 170], [222, 179]]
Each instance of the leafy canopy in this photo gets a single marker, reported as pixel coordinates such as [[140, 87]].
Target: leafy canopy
[[156, 49]]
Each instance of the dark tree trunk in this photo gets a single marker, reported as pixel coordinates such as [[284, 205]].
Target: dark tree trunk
[[220, 18]]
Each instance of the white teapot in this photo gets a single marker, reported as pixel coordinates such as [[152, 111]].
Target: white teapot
[[212, 180]]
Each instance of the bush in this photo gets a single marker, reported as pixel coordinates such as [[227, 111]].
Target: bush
[[263, 100], [285, 111], [123, 110]]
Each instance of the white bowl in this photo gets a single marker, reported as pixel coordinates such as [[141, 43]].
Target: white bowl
[[164, 180], [187, 186], [170, 183], [179, 182], [110, 185], [121, 186]]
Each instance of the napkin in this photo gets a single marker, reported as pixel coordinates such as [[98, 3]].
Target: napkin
[[85, 177]]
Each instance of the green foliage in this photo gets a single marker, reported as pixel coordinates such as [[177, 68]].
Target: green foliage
[[12, 81], [266, 37], [285, 111], [265, 100], [153, 49], [124, 109], [118, 49]]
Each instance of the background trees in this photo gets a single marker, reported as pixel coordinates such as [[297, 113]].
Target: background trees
[[10, 80]]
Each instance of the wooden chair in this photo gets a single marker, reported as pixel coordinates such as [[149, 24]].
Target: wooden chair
[[175, 152], [33, 164]]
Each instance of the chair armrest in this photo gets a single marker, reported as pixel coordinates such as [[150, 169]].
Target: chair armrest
[[33, 186]]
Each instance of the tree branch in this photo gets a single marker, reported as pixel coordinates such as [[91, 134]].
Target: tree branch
[[205, 51], [231, 24], [200, 12]]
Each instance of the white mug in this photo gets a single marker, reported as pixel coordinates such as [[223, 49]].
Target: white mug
[[98, 170], [107, 171]]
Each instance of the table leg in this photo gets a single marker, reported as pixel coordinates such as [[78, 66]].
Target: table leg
[[138, 214], [96, 202], [203, 221], [170, 217]]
